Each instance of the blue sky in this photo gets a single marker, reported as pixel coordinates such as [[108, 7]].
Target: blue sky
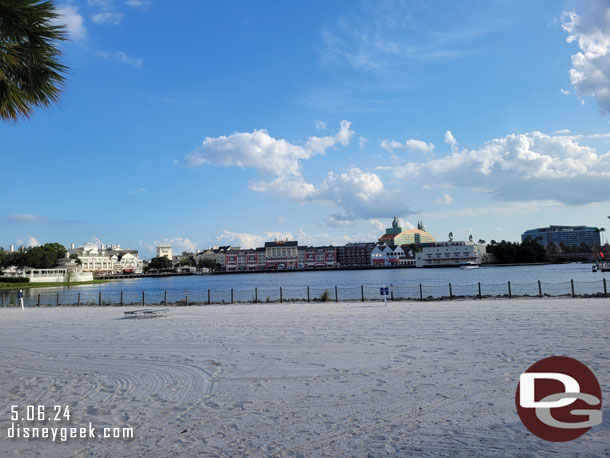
[[202, 123]]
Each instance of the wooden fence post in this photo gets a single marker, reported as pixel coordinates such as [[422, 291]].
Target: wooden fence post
[[421, 293], [336, 294], [362, 292], [572, 286], [256, 295], [308, 300], [231, 295], [510, 294], [165, 298], [480, 290], [539, 289], [450, 292], [142, 297], [77, 299], [209, 302], [122, 303], [605, 289], [281, 297], [99, 299]]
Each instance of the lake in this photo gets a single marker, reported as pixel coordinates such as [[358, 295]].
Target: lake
[[555, 280]]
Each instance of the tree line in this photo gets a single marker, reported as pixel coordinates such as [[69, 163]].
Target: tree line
[[38, 257]]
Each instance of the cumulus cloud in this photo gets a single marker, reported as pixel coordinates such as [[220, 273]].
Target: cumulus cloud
[[360, 194], [563, 132], [445, 199], [74, 22], [451, 141], [293, 187], [564, 91], [412, 144], [522, 167], [261, 151], [272, 156], [590, 72]]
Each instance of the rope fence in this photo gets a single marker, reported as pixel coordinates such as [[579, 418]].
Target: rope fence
[[414, 292]]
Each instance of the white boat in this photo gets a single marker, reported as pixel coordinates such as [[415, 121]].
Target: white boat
[[469, 265]]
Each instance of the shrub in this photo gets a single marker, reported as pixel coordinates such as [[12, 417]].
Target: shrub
[[325, 297], [14, 280]]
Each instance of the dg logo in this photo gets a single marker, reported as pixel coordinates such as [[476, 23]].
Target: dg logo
[[559, 399]]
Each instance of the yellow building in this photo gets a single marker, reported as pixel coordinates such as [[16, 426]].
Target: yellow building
[[396, 235]]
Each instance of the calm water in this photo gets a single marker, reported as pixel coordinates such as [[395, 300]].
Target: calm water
[[555, 279]]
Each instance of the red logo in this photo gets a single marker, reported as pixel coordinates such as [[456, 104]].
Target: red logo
[[559, 399]]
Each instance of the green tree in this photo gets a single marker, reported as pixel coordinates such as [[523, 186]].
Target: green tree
[[56, 248], [209, 263], [161, 263], [31, 74]]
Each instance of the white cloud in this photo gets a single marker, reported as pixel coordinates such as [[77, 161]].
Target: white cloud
[[522, 167], [179, 244], [95, 241], [269, 155], [445, 199], [32, 241], [564, 91], [360, 194], [293, 187], [122, 57], [590, 72], [563, 132], [261, 151], [69, 16], [451, 141], [320, 125], [377, 224], [412, 144], [107, 17]]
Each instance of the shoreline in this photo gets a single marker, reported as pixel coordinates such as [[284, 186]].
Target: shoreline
[[316, 301], [17, 286]]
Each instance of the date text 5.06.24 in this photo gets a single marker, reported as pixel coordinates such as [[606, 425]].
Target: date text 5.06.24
[[40, 412]]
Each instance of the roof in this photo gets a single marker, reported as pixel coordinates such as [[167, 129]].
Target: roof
[[388, 237], [281, 243]]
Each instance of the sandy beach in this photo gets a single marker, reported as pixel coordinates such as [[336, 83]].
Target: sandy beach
[[333, 379]]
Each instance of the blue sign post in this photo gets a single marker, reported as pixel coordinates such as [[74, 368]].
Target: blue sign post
[[385, 292]]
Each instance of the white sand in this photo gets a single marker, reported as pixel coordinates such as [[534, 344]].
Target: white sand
[[432, 379]]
